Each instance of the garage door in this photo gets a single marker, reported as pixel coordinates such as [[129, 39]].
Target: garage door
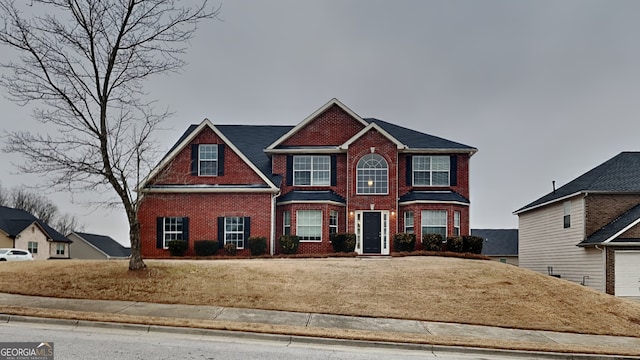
[[627, 273]]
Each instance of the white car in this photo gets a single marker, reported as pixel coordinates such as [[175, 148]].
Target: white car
[[9, 254]]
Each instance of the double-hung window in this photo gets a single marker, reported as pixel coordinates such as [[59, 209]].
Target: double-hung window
[[333, 222], [208, 160], [434, 222], [566, 219], [408, 222], [431, 170], [173, 229], [456, 223], [60, 249], [234, 229], [32, 246], [312, 170], [309, 225], [372, 175], [286, 223]]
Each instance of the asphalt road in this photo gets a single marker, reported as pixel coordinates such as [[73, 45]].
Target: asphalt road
[[83, 343]]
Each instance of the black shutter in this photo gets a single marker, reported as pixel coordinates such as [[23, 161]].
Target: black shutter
[[194, 159], [289, 170], [334, 170], [247, 228], [159, 232], [220, 159], [409, 173], [185, 229], [453, 171], [221, 232]]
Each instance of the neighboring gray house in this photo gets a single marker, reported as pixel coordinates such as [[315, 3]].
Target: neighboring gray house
[[92, 246], [499, 244], [20, 229], [588, 231]]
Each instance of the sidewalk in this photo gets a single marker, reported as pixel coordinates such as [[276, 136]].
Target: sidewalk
[[318, 321]]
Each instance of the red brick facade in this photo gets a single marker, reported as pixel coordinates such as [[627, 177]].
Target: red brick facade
[[242, 191]]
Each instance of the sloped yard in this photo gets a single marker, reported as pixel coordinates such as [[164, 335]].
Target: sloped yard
[[421, 288]]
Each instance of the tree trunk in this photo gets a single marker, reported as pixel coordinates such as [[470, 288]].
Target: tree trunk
[[135, 262]]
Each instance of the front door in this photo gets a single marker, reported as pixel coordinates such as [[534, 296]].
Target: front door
[[371, 233]]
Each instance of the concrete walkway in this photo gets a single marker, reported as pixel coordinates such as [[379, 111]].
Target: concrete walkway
[[312, 320]]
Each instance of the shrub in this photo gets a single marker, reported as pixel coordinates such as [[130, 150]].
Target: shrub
[[472, 244], [289, 244], [205, 247], [177, 247], [404, 242], [432, 242], [455, 244], [257, 245], [343, 242], [230, 249]]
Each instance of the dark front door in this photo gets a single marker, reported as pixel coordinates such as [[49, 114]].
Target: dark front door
[[371, 233]]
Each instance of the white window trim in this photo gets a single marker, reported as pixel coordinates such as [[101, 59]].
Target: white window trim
[[298, 226], [165, 232], [286, 215], [423, 223], [334, 226], [200, 160], [413, 222], [566, 210], [359, 190], [311, 171], [456, 223], [241, 232], [430, 170]]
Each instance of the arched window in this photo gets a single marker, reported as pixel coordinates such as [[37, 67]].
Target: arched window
[[372, 175]]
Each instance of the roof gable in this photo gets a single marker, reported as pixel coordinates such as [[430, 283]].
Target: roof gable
[[248, 145], [619, 174], [370, 127], [309, 119], [14, 221], [615, 228], [105, 244]]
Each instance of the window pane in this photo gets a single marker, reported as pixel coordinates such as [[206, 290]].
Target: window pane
[[434, 222], [431, 170], [208, 159], [312, 170], [309, 225], [234, 231], [372, 175]]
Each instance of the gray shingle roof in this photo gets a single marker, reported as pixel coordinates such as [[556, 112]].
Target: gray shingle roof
[[618, 174], [417, 140], [498, 242], [450, 196], [14, 221], [106, 244], [609, 230], [300, 195]]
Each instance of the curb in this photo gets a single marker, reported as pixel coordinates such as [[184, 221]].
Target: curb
[[303, 340]]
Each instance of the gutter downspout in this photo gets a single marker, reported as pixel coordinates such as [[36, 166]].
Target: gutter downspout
[[272, 245], [604, 268]]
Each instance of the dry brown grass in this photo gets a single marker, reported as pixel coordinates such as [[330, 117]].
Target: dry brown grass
[[420, 288]]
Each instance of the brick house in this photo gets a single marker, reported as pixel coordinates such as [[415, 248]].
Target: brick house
[[588, 231], [333, 172]]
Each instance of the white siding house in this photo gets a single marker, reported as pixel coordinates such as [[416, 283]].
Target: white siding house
[[588, 231]]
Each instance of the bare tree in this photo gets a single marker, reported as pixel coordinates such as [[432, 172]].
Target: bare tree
[[4, 197], [37, 205], [83, 65]]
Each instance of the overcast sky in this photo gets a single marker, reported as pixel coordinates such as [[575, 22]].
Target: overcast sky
[[545, 90]]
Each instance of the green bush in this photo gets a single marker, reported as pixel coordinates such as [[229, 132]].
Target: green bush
[[177, 247], [432, 242], [455, 244], [343, 242], [472, 244], [289, 244], [205, 247], [257, 245], [230, 249], [404, 242]]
